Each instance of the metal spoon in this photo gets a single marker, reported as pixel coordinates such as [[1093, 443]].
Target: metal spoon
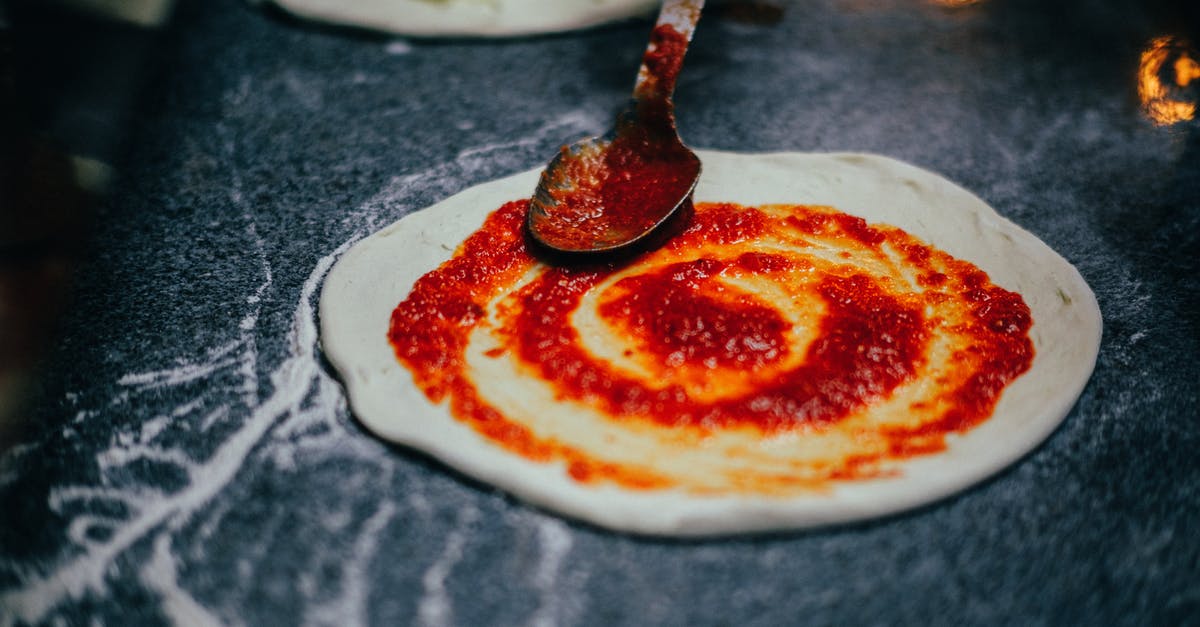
[[607, 194]]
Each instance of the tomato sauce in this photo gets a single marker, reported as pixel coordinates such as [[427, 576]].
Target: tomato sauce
[[686, 315]]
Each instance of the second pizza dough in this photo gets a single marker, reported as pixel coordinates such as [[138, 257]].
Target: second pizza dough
[[467, 18]]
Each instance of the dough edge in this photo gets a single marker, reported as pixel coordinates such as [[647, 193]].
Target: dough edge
[[376, 273], [466, 18]]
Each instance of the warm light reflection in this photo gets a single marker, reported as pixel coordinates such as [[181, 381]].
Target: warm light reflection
[[1166, 56], [1185, 70]]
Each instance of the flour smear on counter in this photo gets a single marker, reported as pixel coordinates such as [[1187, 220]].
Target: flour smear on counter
[[300, 419]]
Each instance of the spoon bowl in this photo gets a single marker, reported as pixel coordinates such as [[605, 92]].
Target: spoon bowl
[[614, 192]]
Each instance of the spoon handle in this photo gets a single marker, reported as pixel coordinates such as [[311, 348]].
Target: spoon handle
[[664, 55]]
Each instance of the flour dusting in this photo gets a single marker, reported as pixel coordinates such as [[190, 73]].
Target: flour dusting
[[132, 514], [436, 608], [152, 509], [554, 538]]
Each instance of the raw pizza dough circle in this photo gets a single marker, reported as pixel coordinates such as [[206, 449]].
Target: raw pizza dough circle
[[467, 18], [378, 272]]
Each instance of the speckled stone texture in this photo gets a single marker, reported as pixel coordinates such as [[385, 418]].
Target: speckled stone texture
[[191, 459]]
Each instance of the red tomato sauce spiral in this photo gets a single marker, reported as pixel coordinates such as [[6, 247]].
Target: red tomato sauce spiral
[[773, 321]]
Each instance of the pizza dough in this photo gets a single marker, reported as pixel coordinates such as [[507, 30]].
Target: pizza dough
[[376, 274], [465, 18]]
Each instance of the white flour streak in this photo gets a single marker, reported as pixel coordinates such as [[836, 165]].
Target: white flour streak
[[159, 574], [212, 521], [554, 538], [327, 399], [351, 606], [184, 372], [555, 129], [134, 498], [83, 574], [124, 454], [80, 529], [213, 417], [568, 126], [9, 460], [248, 325], [249, 322], [420, 504], [435, 608], [151, 428], [84, 414], [398, 47]]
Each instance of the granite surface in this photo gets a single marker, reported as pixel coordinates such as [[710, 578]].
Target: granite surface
[[190, 459]]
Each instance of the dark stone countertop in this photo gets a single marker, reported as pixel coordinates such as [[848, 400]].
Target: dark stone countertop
[[190, 458]]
